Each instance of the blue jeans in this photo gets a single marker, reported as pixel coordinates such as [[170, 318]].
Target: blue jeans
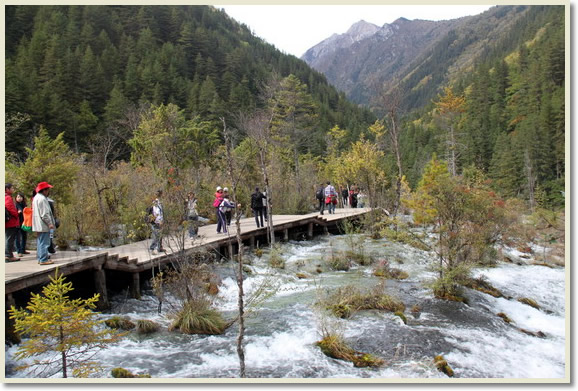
[[42, 244], [330, 207]]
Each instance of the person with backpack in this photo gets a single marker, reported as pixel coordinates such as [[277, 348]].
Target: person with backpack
[[330, 197], [222, 219], [43, 222], [257, 206], [22, 233], [319, 198], [157, 221], [217, 201], [12, 225], [228, 211]]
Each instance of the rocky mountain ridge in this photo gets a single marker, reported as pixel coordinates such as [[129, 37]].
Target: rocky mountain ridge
[[417, 54]]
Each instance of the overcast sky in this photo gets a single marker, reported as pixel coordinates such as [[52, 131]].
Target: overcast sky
[[296, 28]]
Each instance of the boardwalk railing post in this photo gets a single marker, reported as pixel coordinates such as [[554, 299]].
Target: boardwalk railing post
[[100, 287]]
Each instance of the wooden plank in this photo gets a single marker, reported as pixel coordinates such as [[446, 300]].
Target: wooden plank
[[136, 257]]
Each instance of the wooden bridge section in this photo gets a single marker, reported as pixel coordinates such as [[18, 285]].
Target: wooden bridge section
[[125, 264]]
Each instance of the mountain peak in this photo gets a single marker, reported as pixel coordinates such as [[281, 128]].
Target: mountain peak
[[361, 29]]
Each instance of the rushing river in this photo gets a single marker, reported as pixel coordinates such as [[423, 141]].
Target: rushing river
[[281, 333]]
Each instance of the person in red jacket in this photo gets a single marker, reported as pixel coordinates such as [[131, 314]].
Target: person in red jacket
[[12, 224]]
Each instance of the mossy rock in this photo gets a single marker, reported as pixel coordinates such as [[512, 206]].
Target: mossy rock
[[401, 316], [530, 302], [415, 308], [118, 322], [259, 252], [247, 269], [538, 334], [145, 326], [301, 276], [319, 270], [335, 347], [121, 373], [483, 286], [443, 366], [505, 317], [277, 262]]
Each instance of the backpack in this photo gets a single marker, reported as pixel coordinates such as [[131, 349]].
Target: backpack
[[217, 202], [149, 217], [27, 223], [319, 194], [8, 215]]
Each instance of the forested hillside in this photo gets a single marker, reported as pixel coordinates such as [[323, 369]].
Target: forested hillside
[[78, 69], [508, 114]]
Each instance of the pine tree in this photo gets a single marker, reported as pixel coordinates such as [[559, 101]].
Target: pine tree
[[53, 322]]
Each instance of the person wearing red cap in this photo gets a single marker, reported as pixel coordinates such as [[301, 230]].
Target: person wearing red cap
[[42, 222], [12, 224]]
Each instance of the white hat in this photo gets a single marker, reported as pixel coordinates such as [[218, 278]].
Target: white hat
[[219, 188], [226, 189]]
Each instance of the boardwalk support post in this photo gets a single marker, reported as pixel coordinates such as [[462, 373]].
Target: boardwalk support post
[[286, 234], [310, 231], [100, 288], [135, 286]]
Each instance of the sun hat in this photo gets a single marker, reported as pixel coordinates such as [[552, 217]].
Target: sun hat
[[43, 185], [219, 188], [226, 189]]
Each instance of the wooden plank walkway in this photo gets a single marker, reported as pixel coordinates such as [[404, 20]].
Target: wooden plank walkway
[[136, 257]]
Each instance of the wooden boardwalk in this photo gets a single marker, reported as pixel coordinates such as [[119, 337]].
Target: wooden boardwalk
[[136, 257]]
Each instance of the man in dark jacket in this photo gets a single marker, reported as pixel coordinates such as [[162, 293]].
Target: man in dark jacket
[[12, 224], [257, 206]]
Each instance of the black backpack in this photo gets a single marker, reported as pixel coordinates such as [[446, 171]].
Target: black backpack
[[319, 194], [8, 215]]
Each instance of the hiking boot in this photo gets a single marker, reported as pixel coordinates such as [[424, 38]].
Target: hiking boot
[[48, 262], [12, 259]]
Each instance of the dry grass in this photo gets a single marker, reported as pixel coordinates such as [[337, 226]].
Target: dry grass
[[343, 302], [198, 318], [118, 322]]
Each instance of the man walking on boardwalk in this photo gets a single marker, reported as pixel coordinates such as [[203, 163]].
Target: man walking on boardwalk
[[157, 224], [43, 222], [257, 206]]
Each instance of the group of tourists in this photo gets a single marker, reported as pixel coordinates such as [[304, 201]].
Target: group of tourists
[[348, 196], [21, 219], [224, 208]]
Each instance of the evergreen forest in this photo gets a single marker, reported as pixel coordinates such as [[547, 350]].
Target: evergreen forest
[[109, 103]]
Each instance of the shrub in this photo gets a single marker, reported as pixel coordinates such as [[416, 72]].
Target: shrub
[[198, 318], [384, 270], [345, 301], [339, 263], [144, 326]]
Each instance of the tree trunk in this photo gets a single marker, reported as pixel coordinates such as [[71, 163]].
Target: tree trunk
[[63, 354], [240, 300]]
